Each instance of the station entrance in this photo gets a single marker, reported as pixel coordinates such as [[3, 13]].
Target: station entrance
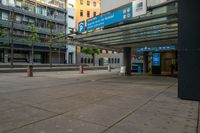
[[159, 27]]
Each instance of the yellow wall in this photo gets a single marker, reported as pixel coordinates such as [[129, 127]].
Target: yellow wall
[[86, 8]]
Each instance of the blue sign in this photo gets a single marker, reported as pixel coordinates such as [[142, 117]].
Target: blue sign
[[156, 59], [110, 18], [161, 48], [81, 27]]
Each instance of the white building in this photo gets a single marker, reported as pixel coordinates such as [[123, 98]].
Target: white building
[[71, 21], [117, 3]]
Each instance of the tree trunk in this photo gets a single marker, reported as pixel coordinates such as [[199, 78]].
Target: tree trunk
[[11, 45], [59, 56], [32, 53], [50, 57], [93, 57]]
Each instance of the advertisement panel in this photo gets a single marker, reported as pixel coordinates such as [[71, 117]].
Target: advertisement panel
[[156, 59]]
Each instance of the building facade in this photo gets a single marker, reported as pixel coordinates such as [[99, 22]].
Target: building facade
[[71, 21], [86, 9], [48, 19]]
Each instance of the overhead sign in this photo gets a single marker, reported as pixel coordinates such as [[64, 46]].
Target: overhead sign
[[81, 26], [161, 48], [134, 9], [110, 18], [156, 59]]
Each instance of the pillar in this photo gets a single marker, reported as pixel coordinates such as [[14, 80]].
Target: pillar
[[145, 64], [189, 50], [127, 60], [6, 54]]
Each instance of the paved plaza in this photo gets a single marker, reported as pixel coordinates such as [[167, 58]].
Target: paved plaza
[[95, 102]]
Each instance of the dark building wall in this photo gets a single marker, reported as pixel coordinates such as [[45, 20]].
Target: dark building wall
[[189, 50]]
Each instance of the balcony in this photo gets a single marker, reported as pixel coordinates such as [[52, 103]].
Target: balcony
[[22, 41], [28, 13], [24, 27]]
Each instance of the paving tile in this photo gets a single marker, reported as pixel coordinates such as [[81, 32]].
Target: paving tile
[[61, 124], [146, 122], [16, 117], [61, 105], [100, 114], [129, 103], [171, 109], [6, 105]]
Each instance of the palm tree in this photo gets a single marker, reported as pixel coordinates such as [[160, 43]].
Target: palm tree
[[91, 51]]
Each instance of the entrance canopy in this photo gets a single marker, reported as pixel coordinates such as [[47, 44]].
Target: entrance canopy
[[158, 27]]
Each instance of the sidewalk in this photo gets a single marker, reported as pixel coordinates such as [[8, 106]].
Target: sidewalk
[[95, 102]]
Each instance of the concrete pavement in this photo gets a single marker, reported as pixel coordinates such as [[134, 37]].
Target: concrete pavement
[[98, 101]]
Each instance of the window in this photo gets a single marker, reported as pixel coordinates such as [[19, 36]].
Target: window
[[4, 16], [94, 4], [72, 17], [18, 18], [94, 14], [85, 61], [115, 60], [88, 60], [81, 13], [118, 60], [88, 13], [88, 3], [81, 60], [71, 5], [81, 2]]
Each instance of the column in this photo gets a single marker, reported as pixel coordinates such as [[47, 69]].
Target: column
[[145, 64], [6, 54], [189, 50], [127, 60]]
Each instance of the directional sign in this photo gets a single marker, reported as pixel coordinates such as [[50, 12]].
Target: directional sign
[[133, 9], [81, 27]]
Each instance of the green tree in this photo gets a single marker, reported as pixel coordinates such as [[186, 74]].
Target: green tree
[[34, 38], [4, 33], [51, 41], [91, 51], [60, 38]]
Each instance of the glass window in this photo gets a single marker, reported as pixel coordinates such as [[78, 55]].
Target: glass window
[[81, 2], [4, 16], [85, 61], [118, 61], [18, 18], [81, 60], [81, 12], [94, 14], [88, 13], [88, 3], [94, 4], [72, 17]]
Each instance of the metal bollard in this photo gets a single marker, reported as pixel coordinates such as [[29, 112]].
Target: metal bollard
[[109, 68], [30, 71], [81, 69]]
